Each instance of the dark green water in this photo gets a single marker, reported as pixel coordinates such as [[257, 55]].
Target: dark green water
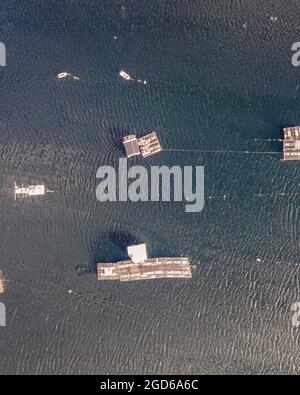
[[219, 75]]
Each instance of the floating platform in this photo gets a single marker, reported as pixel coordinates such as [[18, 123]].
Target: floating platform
[[132, 146], [140, 267], [291, 143], [31, 190], [148, 270], [144, 146]]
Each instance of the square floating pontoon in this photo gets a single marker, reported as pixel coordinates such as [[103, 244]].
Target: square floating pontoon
[[291, 143], [145, 146], [131, 145], [149, 145]]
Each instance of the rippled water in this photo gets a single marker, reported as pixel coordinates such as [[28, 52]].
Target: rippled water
[[219, 75]]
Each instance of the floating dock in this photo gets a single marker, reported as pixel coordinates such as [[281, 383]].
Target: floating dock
[[140, 267], [31, 190], [144, 146], [291, 144], [131, 145]]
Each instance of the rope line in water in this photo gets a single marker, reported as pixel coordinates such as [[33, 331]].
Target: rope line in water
[[224, 152], [269, 140], [255, 195], [277, 194]]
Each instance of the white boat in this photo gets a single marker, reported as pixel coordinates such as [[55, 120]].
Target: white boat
[[124, 75], [63, 75]]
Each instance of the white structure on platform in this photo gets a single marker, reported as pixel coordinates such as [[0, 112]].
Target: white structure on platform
[[137, 253]]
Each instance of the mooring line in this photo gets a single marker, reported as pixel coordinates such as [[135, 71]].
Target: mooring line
[[224, 152], [255, 195], [276, 194], [269, 140]]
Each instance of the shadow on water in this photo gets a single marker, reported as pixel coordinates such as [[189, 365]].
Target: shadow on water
[[116, 239], [123, 239], [117, 133]]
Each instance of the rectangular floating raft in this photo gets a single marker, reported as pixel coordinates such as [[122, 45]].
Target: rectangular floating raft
[[31, 190], [291, 144], [149, 269]]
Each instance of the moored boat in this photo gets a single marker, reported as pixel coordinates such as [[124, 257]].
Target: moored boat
[[124, 75], [63, 75]]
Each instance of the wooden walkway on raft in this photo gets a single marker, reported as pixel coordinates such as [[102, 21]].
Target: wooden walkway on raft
[[147, 270]]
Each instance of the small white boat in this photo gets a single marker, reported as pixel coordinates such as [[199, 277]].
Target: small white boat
[[124, 75], [63, 75]]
